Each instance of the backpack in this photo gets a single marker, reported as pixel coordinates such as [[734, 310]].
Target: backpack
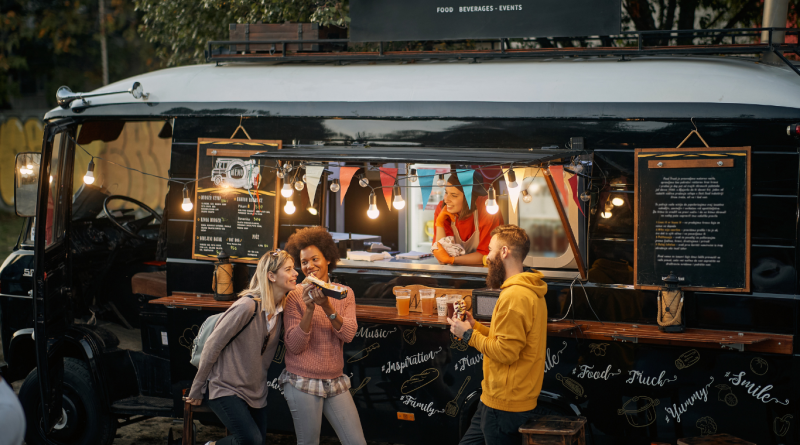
[[205, 331]]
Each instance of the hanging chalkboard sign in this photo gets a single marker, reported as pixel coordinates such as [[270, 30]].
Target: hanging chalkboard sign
[[692, 217], [235, 209]]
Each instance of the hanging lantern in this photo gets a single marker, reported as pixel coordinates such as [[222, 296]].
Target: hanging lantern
[[670, 305], [222, 281]]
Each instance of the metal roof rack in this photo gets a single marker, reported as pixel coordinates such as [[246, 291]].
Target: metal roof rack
[[627, 44]]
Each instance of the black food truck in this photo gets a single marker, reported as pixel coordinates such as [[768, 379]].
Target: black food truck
[[671, 261]]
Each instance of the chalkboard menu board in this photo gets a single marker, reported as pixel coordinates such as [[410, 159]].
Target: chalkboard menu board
[[692, 217], [235, 209]]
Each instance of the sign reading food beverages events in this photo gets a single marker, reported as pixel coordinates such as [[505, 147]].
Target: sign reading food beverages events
[[392, 20], [692, 217], [234, 203]]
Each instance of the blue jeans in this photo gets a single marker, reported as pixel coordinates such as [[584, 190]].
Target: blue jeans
[[248, 426], [491, 426]]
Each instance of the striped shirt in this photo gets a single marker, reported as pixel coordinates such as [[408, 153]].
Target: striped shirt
[[316, 387]]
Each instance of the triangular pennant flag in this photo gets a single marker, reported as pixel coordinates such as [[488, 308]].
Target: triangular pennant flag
[[388, 176], [465, 177], [313, 175], [573, 184], [558, 178], [345, 176], [513, 193], [425, 176]]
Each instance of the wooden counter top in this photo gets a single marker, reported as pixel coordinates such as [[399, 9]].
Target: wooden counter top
[[592, 330]]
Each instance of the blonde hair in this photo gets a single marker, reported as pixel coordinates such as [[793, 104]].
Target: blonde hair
[[260, 285]]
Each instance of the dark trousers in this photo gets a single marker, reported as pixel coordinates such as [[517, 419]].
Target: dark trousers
[[491, 426], [248, 426]]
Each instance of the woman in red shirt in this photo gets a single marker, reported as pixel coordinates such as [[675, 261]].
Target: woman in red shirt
[[471, 228]]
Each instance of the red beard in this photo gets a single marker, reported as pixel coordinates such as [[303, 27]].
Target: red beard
[[497, 273]]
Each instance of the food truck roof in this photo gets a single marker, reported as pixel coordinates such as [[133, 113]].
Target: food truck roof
[[643, 87]]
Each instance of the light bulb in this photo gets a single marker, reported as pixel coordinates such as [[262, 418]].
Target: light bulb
[[373, 211], [440, 181], [312, 210], [585, 196], [335, 186], [413, 177], [512, 179], [51, 179], [29, 166], [399, 203], [287, 167], [617, 201], [187, 205], [88, 178], [577, 167], [280, 173], [526, 197], [605, 214], [363, 181], [289, 207], [491, 203], [304, 178], [286, 190], [299, 185]]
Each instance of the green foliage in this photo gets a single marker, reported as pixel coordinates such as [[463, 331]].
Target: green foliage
[[180, 29]]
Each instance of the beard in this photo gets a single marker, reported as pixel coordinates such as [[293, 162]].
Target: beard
[[497, 273]]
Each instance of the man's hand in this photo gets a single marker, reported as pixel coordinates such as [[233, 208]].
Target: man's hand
[[470, 320], [444, 215], [458, 327], [442, 256]]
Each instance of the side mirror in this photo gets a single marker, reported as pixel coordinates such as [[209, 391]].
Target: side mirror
[[26, 183]]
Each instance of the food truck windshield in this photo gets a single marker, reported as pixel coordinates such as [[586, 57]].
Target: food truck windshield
[[396, 215]]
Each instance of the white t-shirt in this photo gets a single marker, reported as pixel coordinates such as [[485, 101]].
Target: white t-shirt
[[12, 418]]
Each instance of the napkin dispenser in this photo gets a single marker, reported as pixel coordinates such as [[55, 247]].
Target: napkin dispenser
[[483, 302]]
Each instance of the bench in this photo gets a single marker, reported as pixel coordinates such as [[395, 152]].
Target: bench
[[554, 430]]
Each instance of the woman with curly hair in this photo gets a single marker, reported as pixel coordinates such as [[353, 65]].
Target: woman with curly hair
[[317, 327]]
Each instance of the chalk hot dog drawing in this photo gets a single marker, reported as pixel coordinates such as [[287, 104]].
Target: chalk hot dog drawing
[[417, 381]]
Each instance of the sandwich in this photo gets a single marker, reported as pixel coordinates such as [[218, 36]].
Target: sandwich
[[328, 289]]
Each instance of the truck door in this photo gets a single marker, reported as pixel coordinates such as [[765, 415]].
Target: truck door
[[52, 277]]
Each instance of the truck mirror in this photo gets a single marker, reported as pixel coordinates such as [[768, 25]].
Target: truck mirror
[[26, 183]]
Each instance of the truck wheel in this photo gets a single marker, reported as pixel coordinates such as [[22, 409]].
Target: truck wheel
[[85, 421]]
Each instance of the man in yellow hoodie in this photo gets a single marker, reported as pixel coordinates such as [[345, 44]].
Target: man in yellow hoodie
[[513, 347]]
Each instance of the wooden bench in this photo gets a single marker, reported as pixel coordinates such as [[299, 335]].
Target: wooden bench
[[716, 439], [554, 430]]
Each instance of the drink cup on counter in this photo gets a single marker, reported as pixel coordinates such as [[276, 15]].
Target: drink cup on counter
[[426, 298], [403, 298], [441, 306], [450, 300]]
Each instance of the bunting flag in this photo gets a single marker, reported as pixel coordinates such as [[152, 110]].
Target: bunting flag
[[345, 176], [573, 184], [558, 178], [313, 175], [388, 176], [425, 176], [466, 178], [513, 193]]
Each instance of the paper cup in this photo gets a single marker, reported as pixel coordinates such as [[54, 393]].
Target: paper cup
[[441, 306]]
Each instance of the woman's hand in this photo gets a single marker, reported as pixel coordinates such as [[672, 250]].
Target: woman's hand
[[193, 402], [308, 297], [319, 298], [442, 256], [441, 220]]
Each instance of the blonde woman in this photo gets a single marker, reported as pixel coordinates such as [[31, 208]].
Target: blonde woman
[[237, 354]]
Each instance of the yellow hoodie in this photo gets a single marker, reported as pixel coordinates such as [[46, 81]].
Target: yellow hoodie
[[514, 346]]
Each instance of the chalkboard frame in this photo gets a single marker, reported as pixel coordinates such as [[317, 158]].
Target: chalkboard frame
[[241, 151], [747, 216]]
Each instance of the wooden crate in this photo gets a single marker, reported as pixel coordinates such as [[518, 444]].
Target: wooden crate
[[284, 31]]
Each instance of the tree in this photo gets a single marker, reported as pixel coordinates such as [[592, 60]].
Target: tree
[[180, 29]]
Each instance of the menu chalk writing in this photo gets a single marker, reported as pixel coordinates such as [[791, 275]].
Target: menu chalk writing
[[693, 217], [234, 205]]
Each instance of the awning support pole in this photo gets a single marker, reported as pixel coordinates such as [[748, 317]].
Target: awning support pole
[[573, 244]]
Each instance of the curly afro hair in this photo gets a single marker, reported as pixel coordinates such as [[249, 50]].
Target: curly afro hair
[[313, 236]]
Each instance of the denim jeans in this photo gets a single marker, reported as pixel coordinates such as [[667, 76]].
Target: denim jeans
[[248, 426], [491, 426]]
